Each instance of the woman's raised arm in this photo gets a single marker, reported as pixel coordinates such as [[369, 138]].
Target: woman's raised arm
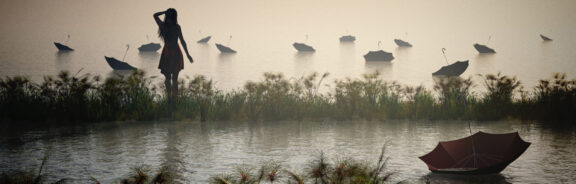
[[157, 18]]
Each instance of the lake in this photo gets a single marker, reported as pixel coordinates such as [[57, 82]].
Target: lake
[[263, 32], [108, 151]]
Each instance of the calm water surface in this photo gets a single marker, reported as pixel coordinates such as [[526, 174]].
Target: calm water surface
[[108, 151], [263, 32]]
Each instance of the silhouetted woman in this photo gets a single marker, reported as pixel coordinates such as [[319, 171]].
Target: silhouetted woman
[[171, 61]]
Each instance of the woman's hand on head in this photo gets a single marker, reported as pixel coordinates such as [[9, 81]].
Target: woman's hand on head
[[159, 13]]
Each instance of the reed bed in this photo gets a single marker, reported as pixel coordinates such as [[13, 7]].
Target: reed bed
[[85, 98], [319, 170], [139, 175]]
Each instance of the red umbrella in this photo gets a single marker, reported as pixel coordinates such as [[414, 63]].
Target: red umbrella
[[481, 153]]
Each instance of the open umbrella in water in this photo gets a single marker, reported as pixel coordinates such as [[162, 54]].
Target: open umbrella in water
[[545, 38], [204, 40], [378, 55], [117, 64], [62, 47], [151, 47], [301, 47], [347, 38], [402, 43], [481, 153], [454, 69], [483, 49], [224, 49]]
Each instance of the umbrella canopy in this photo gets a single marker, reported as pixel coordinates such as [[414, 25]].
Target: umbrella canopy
[[402, 43], [379, 55], [224, 49], [347, 38], [62, 47], [205, 39], [118, 65], [455, 69], [483, 48], [151, 47], [545, 38], [303, 47], [481, 153]]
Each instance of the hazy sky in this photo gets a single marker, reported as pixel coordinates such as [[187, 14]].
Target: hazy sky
[[233, 14], [263, 31]]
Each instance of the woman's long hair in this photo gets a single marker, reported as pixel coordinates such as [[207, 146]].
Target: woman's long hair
[[170, 19]]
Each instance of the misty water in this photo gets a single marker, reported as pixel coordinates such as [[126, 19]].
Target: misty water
[[263, 33], [109, 151]]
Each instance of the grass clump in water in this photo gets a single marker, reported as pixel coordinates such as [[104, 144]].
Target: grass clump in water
[[370, 98], [319, 171], [85, 98], [142, 175], [555, 99]]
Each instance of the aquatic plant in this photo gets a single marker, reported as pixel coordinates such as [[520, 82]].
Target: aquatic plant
[[28, 177], [555, 99], [294, 177], [500, 88], [85, 98], [419, 104], [321, 171], [454, 96], [497, 102], [369, 97], [318, 169], [142, 175]]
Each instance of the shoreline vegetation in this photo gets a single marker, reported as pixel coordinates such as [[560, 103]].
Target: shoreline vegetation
[[87, 98], [319, 170]]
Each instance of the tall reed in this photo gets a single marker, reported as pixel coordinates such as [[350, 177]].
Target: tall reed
[[85, 98]]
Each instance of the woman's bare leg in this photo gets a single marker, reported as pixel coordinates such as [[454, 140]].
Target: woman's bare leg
[[175, 84], [167, 83]]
